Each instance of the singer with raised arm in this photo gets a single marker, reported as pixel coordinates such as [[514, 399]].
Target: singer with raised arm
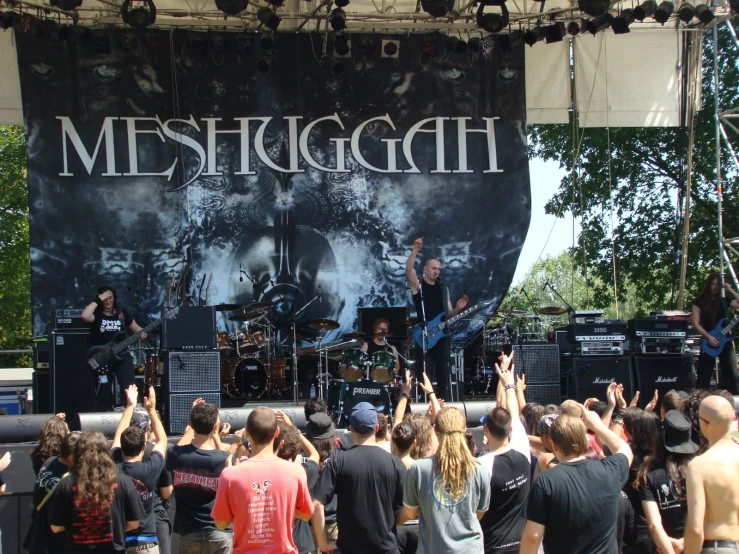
[[107, 320], [431, 298]]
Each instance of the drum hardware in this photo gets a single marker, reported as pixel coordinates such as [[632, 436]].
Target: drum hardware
[[293, 321], [227, 307]]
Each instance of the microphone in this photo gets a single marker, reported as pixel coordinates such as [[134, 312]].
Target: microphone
[[320, 301]]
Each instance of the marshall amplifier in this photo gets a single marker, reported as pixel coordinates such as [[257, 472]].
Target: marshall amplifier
[[662, 373], [69, 318], [589, 332], [589, 376]]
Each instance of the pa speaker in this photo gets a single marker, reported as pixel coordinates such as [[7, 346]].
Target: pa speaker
[[540, 363], [72, 382], [589, 376], [662, 373]]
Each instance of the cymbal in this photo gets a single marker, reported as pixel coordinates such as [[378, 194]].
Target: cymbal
[[356, 335], [227, 307], [552, 310], [323, 324], [383, 335], [257, 306]]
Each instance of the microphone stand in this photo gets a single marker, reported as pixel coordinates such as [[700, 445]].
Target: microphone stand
[[293, 319], [570, 310], [531, 304], [424, 330]]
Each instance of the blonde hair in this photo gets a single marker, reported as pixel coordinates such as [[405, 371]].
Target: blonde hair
[[569, 435], [453, 461]]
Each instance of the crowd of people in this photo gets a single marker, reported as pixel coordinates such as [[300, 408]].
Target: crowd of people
[[602, 477]]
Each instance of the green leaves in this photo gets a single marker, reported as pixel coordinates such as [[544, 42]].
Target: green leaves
[[15, 269]]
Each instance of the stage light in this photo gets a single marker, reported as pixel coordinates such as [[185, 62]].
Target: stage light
[[593, 8], [268, 18], [598, 24], [573, 28], [704, 13], [7, 19], [645, 10], [474, 44], [508, 42], [664, 11], [232, 7], [66, 5], [437, 8], [554, 33], [141, 17], [366, 46], [341, 45], [492, 22], [532, 36], [338, 19], [390, 49], [620, 24], [686, 12]]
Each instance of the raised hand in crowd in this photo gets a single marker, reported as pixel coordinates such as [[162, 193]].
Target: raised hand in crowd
[[635, 401], [132, 395], [428, 388], [653, 402], [5, 461], [620, 397]]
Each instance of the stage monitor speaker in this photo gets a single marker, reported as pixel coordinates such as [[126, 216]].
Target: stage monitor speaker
[[395, 316], [72, 383], [193, 372], [540, 363], [589, 376], [662, 373], [104, 422], [179, 406], [194, 328], [544, 394], [475, 410], [22, 428], [41, 399], [236, 417]]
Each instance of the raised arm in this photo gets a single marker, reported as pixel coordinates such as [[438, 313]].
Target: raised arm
[[614, 443], [150, 404], [132, 394], [88, 314], [405, 394], [410, 270]]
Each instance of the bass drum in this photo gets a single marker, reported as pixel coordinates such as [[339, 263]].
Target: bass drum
[[349, 395], [251, 376]]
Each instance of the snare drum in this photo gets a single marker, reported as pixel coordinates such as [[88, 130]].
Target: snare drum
[[352, 366], [252, 377], [383, 370], [249, 342]]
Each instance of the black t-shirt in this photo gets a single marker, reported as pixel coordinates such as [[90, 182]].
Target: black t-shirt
[[373, 347], [302, 535], [504, 522], [672, 508], [710, 323], [368, 482], [577, 502], [42, 539], [105, 327], [196, 474], [165, 480], [144, 475], [89, 530], [433, 300]]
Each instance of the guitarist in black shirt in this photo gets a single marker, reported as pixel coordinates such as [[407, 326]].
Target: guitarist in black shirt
[[708, 309], [435, 301], [107, 320]]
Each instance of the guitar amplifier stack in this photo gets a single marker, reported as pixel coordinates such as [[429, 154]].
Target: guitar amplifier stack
[[192, 364]]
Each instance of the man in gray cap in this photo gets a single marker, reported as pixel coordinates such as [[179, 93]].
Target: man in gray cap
[[368, 483]]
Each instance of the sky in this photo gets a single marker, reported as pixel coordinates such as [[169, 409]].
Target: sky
[[545, 179]]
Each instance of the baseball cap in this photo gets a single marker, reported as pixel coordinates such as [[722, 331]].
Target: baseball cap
[[140, 419], [545, 423], [364, 418], [320, 426]]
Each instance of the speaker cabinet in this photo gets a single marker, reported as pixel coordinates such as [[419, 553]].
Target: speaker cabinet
[[589, 376], [540, 363], [41, 387], [544, 394], [72, 383], [662, 373], [179, 406], [194, 328], [190, 375]]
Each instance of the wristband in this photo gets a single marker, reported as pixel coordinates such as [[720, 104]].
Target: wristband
[[405, 395], [509, 387], [432, 392]]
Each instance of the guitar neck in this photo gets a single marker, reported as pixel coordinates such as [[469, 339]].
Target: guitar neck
[[726, 330], [121, 346], [459, 316]]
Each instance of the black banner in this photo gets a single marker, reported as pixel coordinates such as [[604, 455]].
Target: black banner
[[157, 160]]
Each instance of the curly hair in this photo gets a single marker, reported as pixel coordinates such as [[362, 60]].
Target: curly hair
[[424, 434], [50, 440], [95, 473], [453, 461], [690, 409]]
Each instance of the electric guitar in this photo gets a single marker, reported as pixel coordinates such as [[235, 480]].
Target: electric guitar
[[719, 332], [437, 329], [101, 357]]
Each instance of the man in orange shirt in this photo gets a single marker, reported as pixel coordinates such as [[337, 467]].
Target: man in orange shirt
[[263, 495]]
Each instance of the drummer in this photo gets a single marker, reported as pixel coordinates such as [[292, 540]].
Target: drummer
[[381, 330]]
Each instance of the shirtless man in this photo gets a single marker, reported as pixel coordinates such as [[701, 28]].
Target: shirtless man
[[713, 484]]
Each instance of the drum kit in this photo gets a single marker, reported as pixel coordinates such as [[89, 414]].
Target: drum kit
[[255, 365]]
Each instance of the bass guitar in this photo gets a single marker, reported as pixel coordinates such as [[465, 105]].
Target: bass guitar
[[101, 357], [720, 332], [437, 328]]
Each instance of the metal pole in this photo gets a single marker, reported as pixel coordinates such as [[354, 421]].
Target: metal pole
[[719, 191]]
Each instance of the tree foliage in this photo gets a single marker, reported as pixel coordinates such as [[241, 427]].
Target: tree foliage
[[15, 270], [647, 174]]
